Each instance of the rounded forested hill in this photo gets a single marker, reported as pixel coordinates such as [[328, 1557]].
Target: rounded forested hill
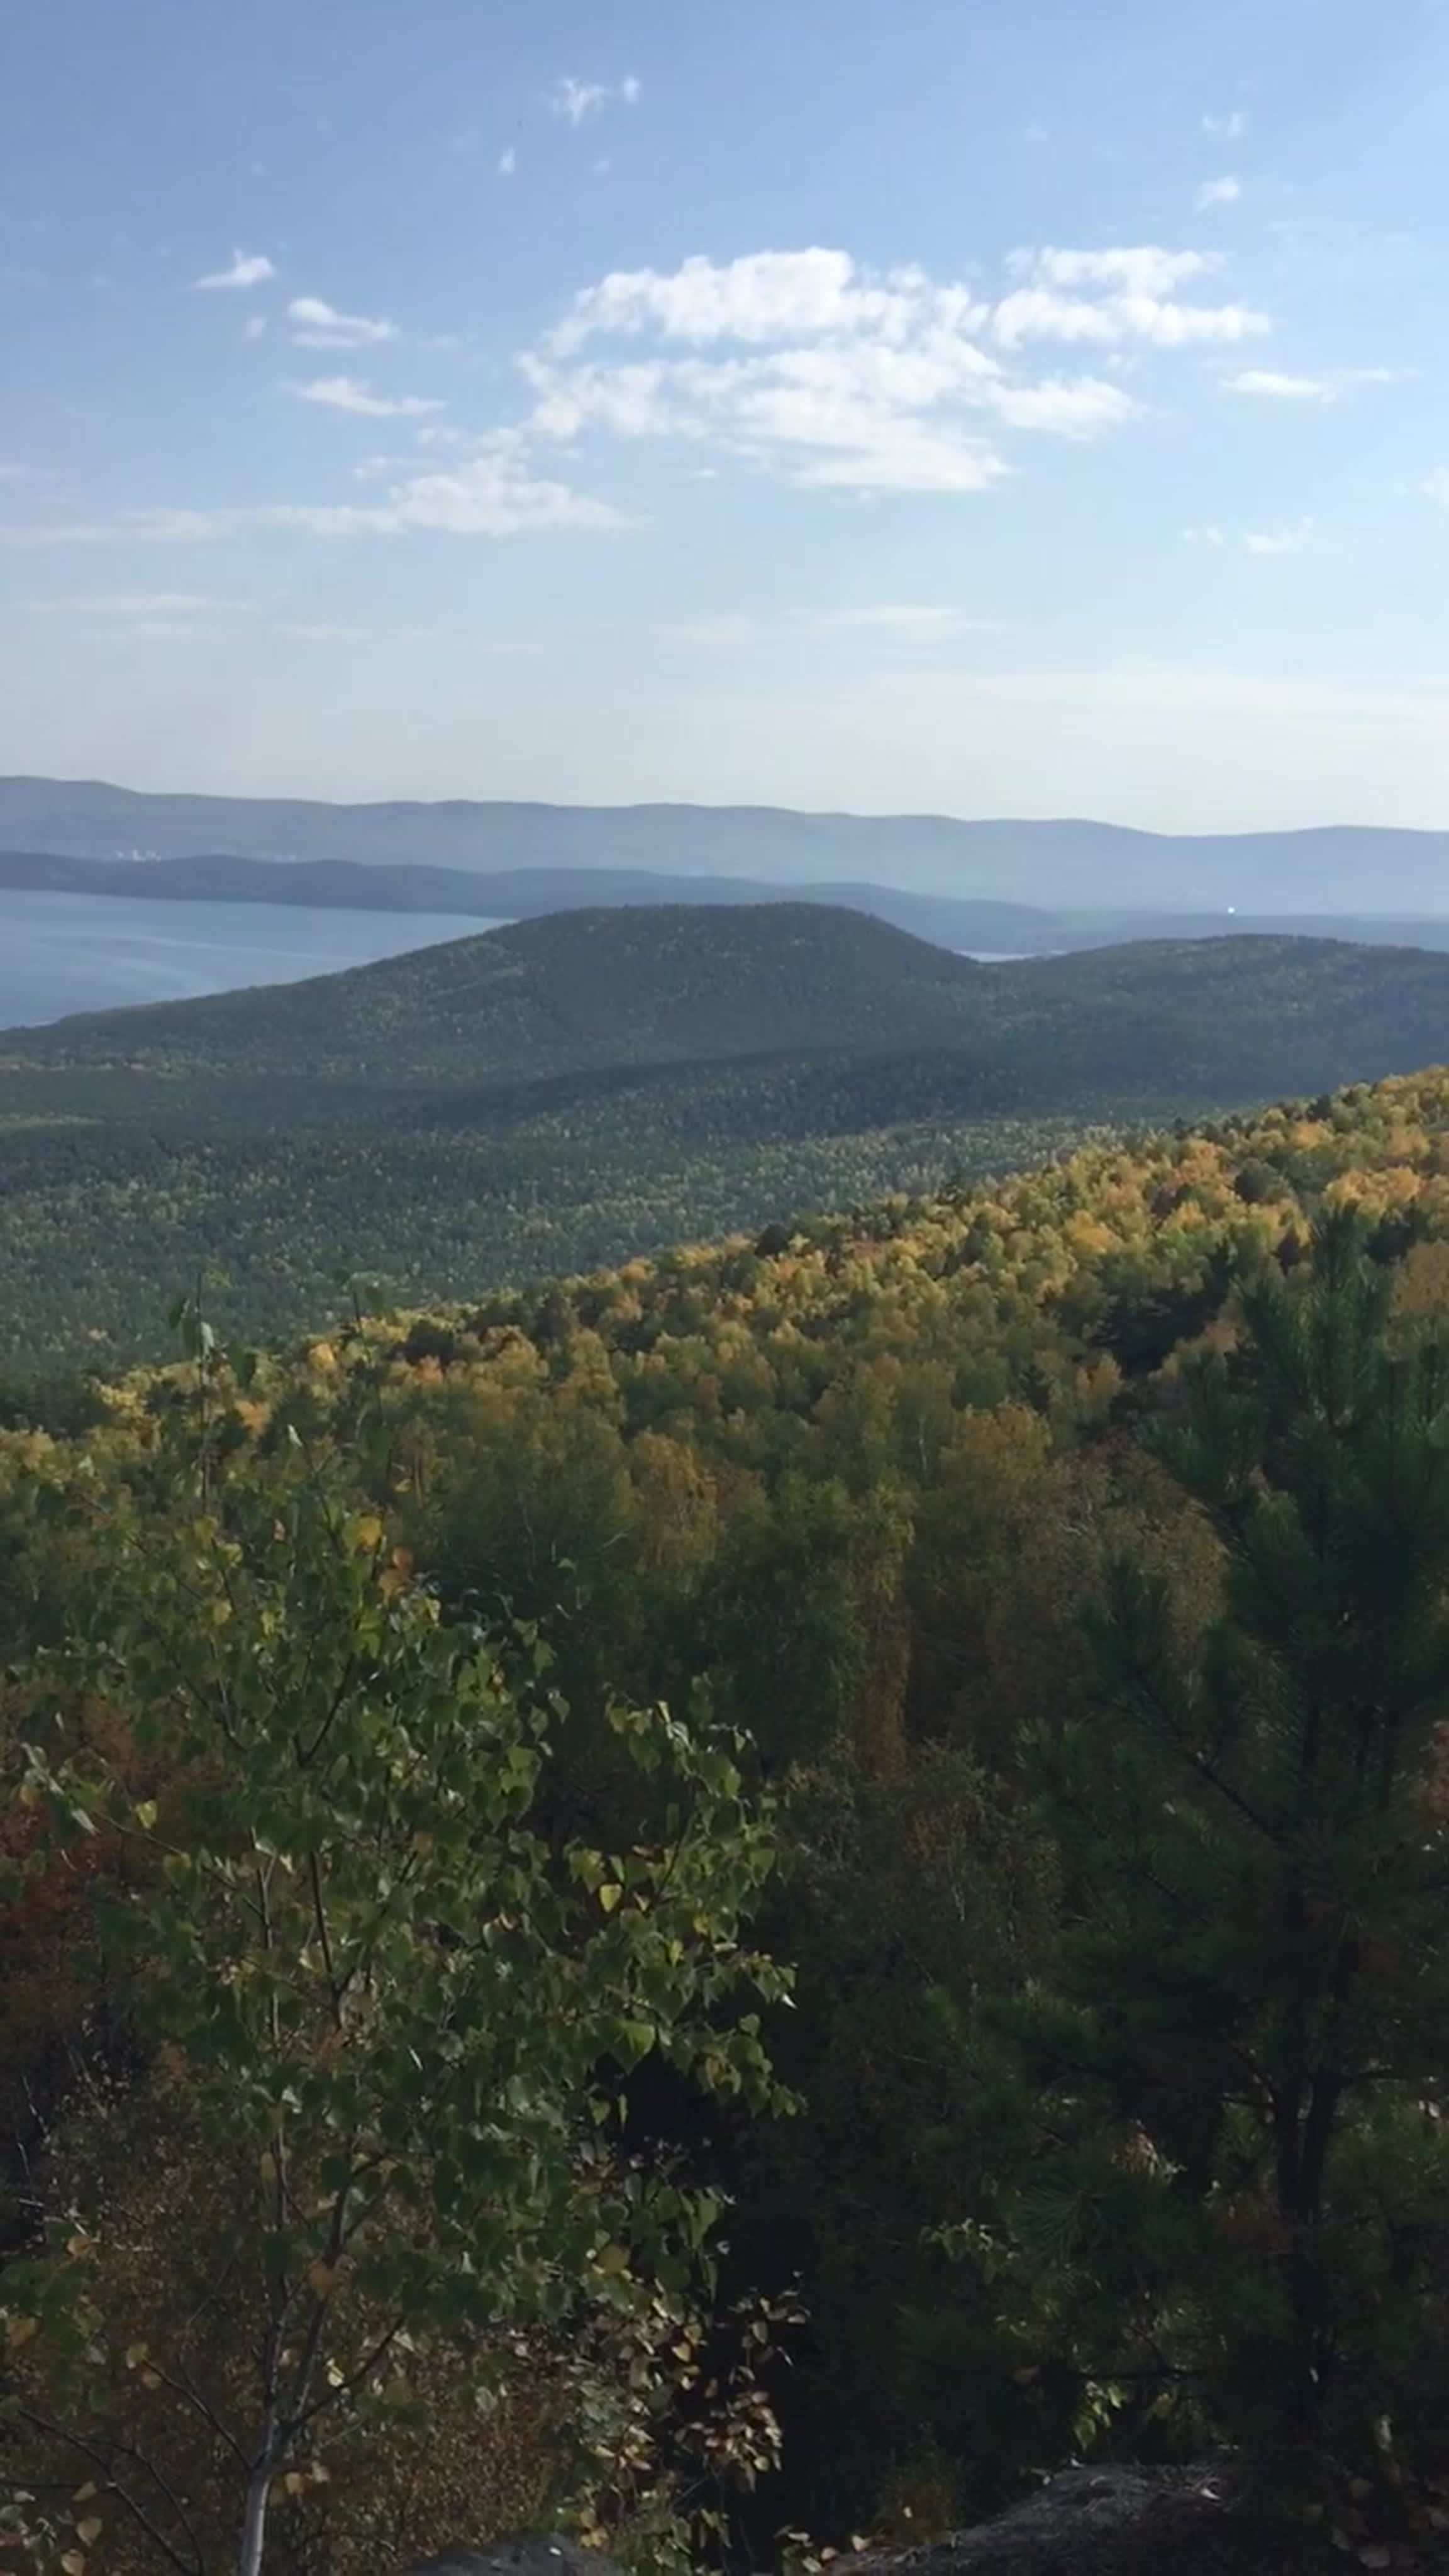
[[564, 992], [460, 1033]]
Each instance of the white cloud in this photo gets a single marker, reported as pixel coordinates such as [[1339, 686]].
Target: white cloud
[[1436, 486], [14, 473], [1112, 297], [254, 327], [576, 101], [351, 394], [1226, 129], [248, 268], [317, 325], [1274, 387], [1280, 541], [1212, 537], [493, 494], [507, 162], [765, 296], [828, 373], [1218, 192], [1076, 407]]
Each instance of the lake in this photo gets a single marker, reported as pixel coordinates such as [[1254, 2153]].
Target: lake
[[80, 952]]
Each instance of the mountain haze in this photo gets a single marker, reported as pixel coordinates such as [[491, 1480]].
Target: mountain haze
[[1067, 862]]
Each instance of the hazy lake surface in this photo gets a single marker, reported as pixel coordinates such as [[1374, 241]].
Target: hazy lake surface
[[80, 952]]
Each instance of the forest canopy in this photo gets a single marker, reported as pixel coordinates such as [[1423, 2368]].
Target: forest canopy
[[1021, 1610]]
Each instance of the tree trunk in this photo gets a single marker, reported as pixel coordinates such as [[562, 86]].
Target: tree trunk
[[254, 2521]]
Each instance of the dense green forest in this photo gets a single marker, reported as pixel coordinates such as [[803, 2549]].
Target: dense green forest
[[552, 1097], [856, 1817]]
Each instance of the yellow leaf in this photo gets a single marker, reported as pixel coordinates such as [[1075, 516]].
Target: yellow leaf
[[293, 2482], [609, 1896], [136, 2353], [73, 2562], [150, 2379], [220, 1613], [146, 1814], [367, 1533], [84, 2494], [611, 2259], [28, 1793], [18, 2330], [323, 2277], [89, 2530]]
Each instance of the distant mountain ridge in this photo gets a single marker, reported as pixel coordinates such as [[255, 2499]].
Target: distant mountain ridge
[[1071, 863], [978, 925]]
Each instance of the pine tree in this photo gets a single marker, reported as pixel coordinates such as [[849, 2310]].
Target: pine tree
[[1253, 2038]]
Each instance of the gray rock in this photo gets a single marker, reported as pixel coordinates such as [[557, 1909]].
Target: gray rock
[[1103, 2522], [552, 2556]]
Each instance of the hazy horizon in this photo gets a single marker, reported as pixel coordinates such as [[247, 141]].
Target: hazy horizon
[[264, 794]]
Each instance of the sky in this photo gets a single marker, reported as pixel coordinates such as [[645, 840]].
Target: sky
[[971, 406]]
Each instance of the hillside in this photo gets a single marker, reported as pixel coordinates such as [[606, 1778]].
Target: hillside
[[849, 1526], [582, 992], [1066, 863], [562, 993], [574, 1089]]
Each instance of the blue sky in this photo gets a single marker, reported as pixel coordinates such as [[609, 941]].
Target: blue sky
[[978, 405]]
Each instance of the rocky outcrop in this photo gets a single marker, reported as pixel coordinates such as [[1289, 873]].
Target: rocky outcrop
[[1103, 2522]]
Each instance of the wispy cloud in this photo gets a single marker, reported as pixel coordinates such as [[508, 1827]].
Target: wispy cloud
[[507, 163], [922, 619], [494, 493], [1436, 486], [1218, 192], [576, 101], [248, 268], [1227, 129], [254, 328], [318, 325], [1280, 541], [351, 394], [133, 603], [14, 473], [326, 630], [1255, 541], [167, 630], [1273, 387]]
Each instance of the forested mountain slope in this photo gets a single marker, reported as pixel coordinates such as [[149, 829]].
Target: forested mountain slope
[[673, 984], [1050, 1714], [569, 1090]]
